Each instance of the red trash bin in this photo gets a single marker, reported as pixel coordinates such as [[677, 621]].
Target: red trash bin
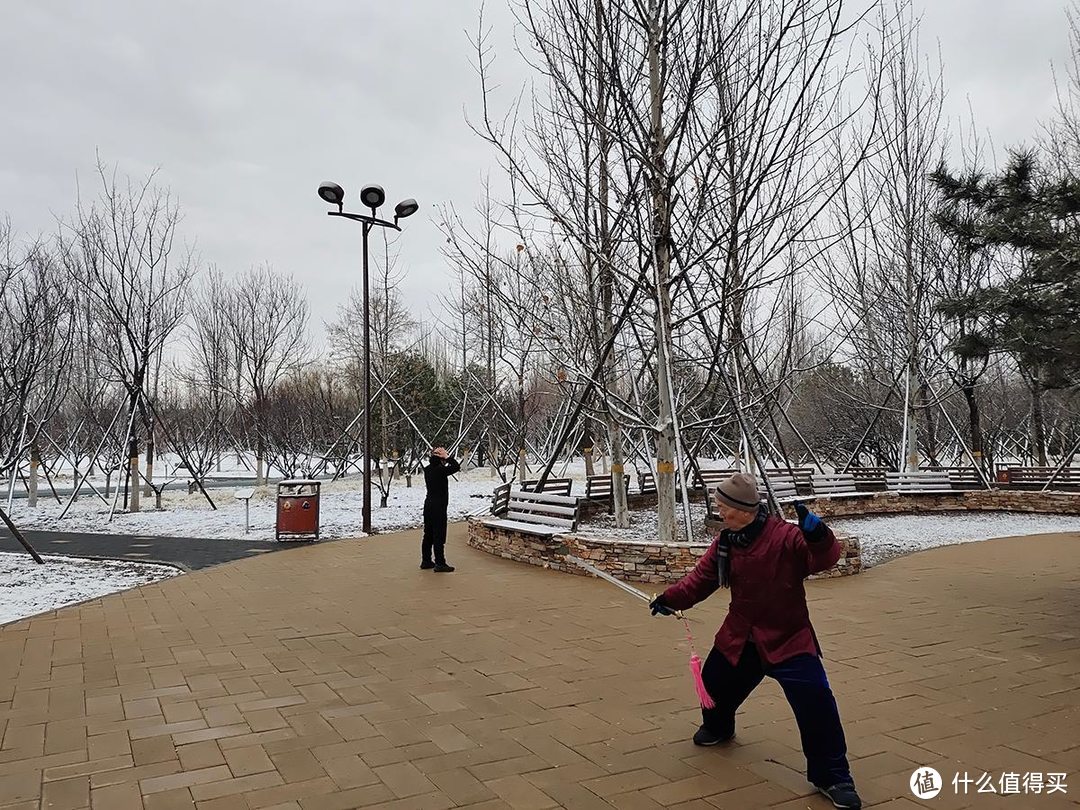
[[298, 509]]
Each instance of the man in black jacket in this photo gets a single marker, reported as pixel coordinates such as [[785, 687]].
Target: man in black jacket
[[436, 474]]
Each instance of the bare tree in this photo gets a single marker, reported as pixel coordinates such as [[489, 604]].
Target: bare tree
[[268, 318], [213, 367], [120, 253], [392, 327], [36, 336]]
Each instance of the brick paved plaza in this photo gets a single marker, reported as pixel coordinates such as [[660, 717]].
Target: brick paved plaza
[[340, 676]]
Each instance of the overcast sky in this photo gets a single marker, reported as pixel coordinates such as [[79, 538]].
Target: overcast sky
[[246, 106]]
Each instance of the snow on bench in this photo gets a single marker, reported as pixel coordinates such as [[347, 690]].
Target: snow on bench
[[556, 486], [921, 481], [598, 487], [826, 485], [539, 513]]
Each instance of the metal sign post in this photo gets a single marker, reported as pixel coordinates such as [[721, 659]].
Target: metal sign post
[[245, 496]]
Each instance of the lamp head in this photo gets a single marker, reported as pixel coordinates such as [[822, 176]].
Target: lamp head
[[372, 196], [405, 208], [332, 193]]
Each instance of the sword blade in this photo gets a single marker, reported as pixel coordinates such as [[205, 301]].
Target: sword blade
[[592, 569]]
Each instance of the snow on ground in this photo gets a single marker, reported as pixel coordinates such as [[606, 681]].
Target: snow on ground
[[885, 537], [882, 538], [643, 527], [27, 588], [186, 515]]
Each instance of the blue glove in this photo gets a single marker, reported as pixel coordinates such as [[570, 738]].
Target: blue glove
[[657, 606], [809, 522]]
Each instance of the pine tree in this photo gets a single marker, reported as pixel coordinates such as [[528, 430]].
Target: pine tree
[[1032, 312]]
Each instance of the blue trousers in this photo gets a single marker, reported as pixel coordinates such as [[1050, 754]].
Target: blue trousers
[[807, 690]]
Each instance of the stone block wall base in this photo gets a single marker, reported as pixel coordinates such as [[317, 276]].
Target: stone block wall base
[[633, 562]]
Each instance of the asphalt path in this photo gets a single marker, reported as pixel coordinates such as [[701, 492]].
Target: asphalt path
[[189, 553]]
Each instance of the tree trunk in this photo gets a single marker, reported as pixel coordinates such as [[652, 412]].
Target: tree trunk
[[587, 452], [607, 283], [910, 442], [1038, 425], [974, 423], [149, 490], [522, 466], [660, 190], [931, 427], [35, 462], [134, 488]]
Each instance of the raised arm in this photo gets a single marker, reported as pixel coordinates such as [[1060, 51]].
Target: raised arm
[[816, 545]]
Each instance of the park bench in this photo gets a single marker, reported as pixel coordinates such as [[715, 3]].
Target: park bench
[[802, 477], [708, 479], [1036, 477], [539, 513], [598, 488], [647, 483], [869, 479], [919, 482], [555, 486], [964, 478], [826, 485], [783, 488]]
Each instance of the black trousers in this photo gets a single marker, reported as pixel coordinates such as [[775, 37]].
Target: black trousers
[[434, 533], [807, 690]]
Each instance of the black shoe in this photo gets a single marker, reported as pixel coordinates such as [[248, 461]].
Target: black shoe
[[426, 564], [443, 568], [842, 795], [705, 737]]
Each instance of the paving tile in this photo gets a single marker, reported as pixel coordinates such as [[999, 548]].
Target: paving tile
[[176, 799], [183, 779], [124, 796], [20, 787], [195, 756], [334, 685], [67, 794], [152, 749], [237, 786]]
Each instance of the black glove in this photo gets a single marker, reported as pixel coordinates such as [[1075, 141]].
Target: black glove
[[812, 526], [657, 606]]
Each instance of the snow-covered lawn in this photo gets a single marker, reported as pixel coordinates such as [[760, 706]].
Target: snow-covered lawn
[[186, 515], [27, 588], [888, 536], [882, 538]]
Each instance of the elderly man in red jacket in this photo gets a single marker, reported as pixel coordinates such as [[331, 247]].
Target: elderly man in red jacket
[[764, 560]]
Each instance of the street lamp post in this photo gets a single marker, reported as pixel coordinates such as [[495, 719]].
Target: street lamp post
[[372, 197]]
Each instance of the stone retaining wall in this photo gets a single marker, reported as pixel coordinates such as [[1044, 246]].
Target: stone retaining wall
[[656, 563], [985, 500], [633, 562]]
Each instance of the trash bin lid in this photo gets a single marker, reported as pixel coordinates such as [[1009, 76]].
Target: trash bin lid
[[298, 486]]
